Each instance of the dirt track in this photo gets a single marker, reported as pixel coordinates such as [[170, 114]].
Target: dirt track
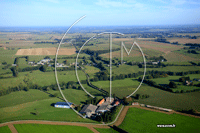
[[46, 51], [90, 126]]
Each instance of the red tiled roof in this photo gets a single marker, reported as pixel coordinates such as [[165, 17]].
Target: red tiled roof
[[102, 100]]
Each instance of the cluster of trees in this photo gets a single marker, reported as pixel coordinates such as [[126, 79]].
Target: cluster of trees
[[90, 52], [192, 51], [156, 58], [183, 79], [45, 42], [154, 84], [93, 101], [6, 73], [71, 57], [152, 65], [4, 63], [175, 43], [189, 111], [17, 59], [162, 40], [43, 68], [141, 96], [103, 75], [157, 75], [127, 101], [6, 66], [192, 44], [29, 68], [172, 84], [107, 116], [14, 71]]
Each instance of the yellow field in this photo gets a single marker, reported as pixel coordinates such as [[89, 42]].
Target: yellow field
[[184, 40], [46, 51]]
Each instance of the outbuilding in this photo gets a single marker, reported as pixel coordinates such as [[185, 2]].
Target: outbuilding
[[63, 105]]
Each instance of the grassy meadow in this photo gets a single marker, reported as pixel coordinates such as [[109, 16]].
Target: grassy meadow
[[142, 121], [30, 128], [38, 105], [5, 129]]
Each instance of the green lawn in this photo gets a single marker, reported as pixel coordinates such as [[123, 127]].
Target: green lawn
[[5, 129], [40, 128], [142, 121]]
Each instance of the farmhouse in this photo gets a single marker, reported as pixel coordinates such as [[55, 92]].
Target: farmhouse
[[63, 105], [88, 110], [154, 63], [31, 62], [108, 100], [135, 103], [104, 108], [187, 82]]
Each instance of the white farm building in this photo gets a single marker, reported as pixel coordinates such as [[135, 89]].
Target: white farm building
[[63, 105]]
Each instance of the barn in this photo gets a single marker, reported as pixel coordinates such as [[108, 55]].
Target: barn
[[63, 105]]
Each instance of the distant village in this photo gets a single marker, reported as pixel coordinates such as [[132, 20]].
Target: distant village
[[48, 61]]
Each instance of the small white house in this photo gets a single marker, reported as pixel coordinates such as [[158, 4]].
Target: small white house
[[63, 105]]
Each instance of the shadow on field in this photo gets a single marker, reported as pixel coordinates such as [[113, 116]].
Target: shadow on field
[[32, 113], [53, 104], [175, 80], [118, 129]]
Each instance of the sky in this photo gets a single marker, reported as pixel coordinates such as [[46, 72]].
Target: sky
[[15, 13]]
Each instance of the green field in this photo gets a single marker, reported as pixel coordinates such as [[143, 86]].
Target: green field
[[121, 88], [42, 78], [165, 81], [184, 52], [106, 130], [142, 121], [5, 129], [40, 128], [23, 106]]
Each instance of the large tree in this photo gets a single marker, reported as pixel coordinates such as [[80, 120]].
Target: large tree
[[172, 84]]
